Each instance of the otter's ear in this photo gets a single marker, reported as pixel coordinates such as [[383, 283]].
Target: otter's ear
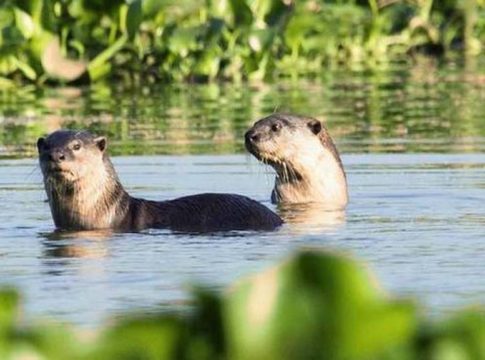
[[40, 144], [315, 126], [101, 142]]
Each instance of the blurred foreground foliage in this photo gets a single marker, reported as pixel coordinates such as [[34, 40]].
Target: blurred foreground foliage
[[315, 305], [151, 40]]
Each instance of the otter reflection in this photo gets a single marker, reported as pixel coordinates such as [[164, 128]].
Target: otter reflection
[[76, 244], [308, 217]]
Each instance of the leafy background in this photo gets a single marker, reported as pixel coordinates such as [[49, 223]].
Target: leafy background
[[151, 40]]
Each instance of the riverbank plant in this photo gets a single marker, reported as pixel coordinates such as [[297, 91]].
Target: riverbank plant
[[316, 305], [83, 41]]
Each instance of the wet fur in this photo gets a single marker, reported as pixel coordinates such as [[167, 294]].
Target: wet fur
[[307, 163], [85, 193]]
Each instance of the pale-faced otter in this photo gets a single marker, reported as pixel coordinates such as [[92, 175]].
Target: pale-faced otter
[[84, 193], [307, 163]]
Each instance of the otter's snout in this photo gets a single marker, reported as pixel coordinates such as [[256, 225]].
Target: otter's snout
[[251, 136], [56, 156], [251, 140], [47, 153]]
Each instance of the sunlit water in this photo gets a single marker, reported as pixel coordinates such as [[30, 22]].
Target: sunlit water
[[413, 148]]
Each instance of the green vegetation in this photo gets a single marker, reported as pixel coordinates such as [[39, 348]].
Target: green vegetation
[[313, 306], [151, 40]]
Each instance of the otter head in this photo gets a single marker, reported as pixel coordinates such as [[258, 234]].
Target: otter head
[[82, 187], [306, 161], [68, 156]]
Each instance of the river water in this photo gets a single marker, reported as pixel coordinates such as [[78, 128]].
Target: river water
[[413, 144]]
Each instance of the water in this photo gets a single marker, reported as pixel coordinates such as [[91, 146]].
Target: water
[[415, 163]]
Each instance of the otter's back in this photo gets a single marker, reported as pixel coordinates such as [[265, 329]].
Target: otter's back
[[214, 212]]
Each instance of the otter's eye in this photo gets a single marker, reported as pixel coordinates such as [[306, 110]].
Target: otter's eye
[[275, 127], [76, 147]]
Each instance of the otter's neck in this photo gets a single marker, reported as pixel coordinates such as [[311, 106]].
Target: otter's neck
[[319, 179], [96, 201]]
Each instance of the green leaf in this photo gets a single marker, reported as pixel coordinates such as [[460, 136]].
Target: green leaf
[[53, 341], [152, 7], [39, 42], [24, 23], [134, 18], [317, 305], [155, 337], [463, 334], [9, 301], [206, 327], [6, 17], [241, 13], [26, 69], [261, 40], [48, 18], [100, 62], [6, 83], [183, 40], [99, 71], [11, 39], [102, 6], [7, 64], [208, 64], [273, 12]]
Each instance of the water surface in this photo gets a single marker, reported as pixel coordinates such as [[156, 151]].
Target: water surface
[[414, 149]]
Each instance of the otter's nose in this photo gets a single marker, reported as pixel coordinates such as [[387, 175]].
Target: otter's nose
[[57, 156], [251, 136]]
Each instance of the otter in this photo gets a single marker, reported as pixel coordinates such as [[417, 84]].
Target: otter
[[85, 193], [307, 164]]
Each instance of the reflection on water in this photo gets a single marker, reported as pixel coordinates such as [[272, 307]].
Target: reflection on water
[[311, 218], [86, 244], [421, 108]]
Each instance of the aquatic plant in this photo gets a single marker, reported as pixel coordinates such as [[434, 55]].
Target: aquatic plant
[[314, 305], [87, 40]]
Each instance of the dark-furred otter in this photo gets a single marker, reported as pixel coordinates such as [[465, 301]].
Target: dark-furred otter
[[307, 163], [84, 193]]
